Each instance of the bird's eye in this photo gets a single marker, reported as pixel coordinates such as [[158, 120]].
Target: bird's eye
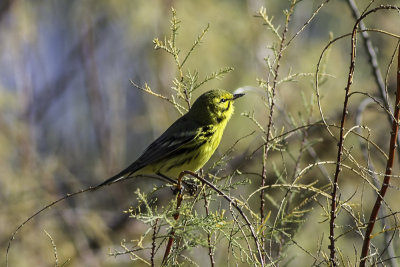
[[222, 100]]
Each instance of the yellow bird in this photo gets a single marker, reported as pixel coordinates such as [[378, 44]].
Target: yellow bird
[[188, 143]]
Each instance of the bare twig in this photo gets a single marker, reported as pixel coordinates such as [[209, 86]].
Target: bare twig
[[319, 65], [67, 196], [307, 22], [179, 198], [54, 248], [371, 170], [153, 242], [332, 258], [271, 113], [40, 211], [210, 248], [374, 63], [386, 180]]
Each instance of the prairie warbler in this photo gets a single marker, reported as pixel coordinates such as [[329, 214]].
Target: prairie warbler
[[188, 143]]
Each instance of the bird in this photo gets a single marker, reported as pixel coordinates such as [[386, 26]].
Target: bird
[[188, 143]]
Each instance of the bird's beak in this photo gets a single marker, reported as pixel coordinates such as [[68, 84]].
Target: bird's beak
[[237, 96]]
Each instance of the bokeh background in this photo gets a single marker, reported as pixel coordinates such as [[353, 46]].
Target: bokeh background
[[70, 118]]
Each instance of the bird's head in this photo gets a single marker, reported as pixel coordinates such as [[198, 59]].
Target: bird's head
[[215, 106]]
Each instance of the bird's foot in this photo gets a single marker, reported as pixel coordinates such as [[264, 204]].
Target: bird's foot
[[176, 190], [191, 188]]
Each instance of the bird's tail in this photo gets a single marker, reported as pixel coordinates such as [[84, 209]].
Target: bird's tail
[[120, 176], [110, 180]]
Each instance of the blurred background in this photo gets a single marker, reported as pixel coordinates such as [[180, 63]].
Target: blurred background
[[70, 118]]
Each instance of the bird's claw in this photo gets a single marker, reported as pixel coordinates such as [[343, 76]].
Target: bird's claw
[[176, 190], [191, 188]]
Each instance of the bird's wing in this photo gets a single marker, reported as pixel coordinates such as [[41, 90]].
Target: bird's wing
[[180, 133], [177, 135]]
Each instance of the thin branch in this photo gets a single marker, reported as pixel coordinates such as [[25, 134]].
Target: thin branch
[[262, 13], [181, 109], [389, 167], [153, 242], [306, 23], [332, 258], [271, 112], [371, 169], [340, 143], [236, 206], [179, 198], [67, 196], [210, 248], [326, 48], [374, 63], [54, 248], [195, 44], [40, 211]]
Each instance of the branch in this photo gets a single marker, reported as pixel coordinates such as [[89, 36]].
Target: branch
[[374, 64], [271, 112], [341, 137], [236, 206], [210, 248], [40, 211], [389, 167], [179, 198]]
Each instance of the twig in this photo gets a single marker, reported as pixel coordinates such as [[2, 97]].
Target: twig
[[374, 63], [340, 150], [307, 22], [181, 109], [153, 242], [371, 169], [271, 113], [89, 189], [236, 206], [386, 180], [54, 248], [341, 137], [40, 211], [291, 132], [179, 198], [319, 65], [210, 249]]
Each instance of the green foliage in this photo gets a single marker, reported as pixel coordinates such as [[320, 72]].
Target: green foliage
[[186, 82]]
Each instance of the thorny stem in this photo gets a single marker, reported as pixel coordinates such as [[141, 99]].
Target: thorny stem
[[271, 112], [374, 64], [389, 167], [153, 243], [179, 198], [341, 139], [384, 96], [365, 148], [340, 149], [210, 249]]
